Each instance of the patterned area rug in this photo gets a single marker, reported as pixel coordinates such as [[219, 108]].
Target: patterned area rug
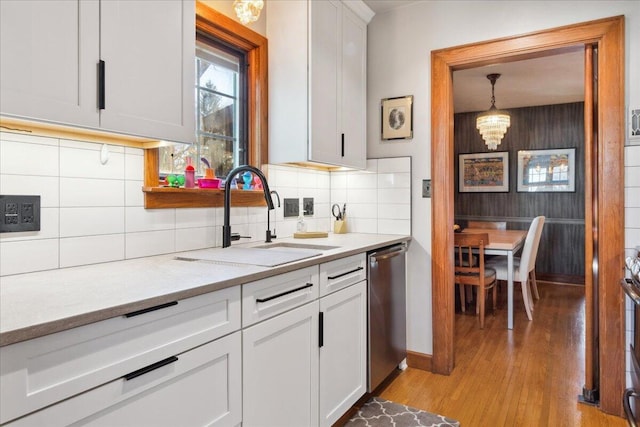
[[378, 412]]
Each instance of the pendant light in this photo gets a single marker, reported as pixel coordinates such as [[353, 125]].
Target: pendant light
[[493, 123], [248, 10]]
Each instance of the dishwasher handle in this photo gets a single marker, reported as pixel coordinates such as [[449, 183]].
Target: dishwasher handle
[[391, 252]]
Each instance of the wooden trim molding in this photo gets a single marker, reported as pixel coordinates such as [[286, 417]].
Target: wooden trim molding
[[214, 24], [608, 197], [419, 360]]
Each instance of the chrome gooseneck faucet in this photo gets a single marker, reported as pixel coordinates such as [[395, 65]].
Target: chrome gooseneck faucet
[[226, 228], [271, 235]]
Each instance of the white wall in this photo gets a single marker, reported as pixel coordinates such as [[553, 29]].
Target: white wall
[[399, 46]]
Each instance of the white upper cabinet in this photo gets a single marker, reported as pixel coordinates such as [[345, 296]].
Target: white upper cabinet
[[317, 84], [51, 51], [48, 60]]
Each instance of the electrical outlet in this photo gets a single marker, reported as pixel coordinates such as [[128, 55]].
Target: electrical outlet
[[19, 213], [426, 188], [307, 206], [291, 207]]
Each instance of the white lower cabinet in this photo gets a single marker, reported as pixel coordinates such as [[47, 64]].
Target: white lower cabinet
[[343, 355], [306, 366], [200, 387], [280, 370]]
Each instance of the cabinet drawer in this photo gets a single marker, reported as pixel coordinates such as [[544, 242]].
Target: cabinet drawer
[[265, 298], [45, 370], [196, 388], [341, 273]]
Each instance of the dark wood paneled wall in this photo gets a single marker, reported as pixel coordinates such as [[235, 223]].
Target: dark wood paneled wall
[[561, 252]]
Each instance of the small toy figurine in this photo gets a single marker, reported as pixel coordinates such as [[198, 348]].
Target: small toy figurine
[[247, 178], [257, 183]]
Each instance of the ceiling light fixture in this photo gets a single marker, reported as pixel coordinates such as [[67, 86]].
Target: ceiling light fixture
[[493, 123], [248, 10]]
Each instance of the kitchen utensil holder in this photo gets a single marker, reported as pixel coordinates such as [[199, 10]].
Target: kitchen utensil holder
[[340, 226]]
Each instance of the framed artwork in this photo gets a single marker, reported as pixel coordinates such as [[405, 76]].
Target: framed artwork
[[397, 118], [547, 170], [484, 172]]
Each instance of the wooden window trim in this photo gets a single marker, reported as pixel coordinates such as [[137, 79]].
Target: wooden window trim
[[221, 27]]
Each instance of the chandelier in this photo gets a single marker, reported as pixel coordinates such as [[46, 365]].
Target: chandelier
[[493, 123], [248, 10]]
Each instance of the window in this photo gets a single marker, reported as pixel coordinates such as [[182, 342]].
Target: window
[[231, 38]]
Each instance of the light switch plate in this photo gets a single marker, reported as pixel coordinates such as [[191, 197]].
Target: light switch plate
[[426, 188]]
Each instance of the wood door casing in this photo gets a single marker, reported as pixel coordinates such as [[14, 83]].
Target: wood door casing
[[608, 35]]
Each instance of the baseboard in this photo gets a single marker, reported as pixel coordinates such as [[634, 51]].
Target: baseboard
[[419, 360], [560, 278]]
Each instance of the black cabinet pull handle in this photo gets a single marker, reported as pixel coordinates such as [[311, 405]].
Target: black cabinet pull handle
[[150, 368], [343, 145], [101, 97], [321, 330], [344, 274], [154, 308], [281, 294]]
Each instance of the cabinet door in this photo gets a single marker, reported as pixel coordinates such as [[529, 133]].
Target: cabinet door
[[200, 387], [324, 81], [343, 355], [149, 53], [354, 91], [280, 370], [48, 59]]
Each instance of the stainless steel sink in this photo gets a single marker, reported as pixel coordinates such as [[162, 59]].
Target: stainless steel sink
[[281, 245]]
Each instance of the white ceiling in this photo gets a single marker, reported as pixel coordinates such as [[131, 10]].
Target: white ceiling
[[556, 79]]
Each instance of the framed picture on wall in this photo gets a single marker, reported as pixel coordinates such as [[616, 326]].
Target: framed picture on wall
[[397, 118], [484, 172], [547, 170]]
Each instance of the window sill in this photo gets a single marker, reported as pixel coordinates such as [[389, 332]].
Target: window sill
[[171, 197]]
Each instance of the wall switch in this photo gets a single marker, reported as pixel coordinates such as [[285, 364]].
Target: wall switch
[[426, 188], [291, 207], [307, 206], [19, 213]]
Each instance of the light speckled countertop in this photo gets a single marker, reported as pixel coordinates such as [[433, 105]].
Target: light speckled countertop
[[37, 304]]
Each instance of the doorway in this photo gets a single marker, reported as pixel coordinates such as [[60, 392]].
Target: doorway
[[605, 170]]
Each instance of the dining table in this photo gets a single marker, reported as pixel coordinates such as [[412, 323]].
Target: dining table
[[503, 243]]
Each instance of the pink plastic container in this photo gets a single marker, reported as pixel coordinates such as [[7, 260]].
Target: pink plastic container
[[209, 183]]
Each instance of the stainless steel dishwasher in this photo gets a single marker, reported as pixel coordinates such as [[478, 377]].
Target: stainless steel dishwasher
[[386, 311]]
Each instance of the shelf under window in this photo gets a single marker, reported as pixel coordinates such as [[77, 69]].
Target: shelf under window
[[172, 197]]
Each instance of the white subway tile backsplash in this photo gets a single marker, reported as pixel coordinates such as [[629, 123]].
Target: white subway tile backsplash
[[394, 180], [632, 176], [47, 187], [338, 180], [93, 146], [307, 179], [27, 256], [394, 211], [397, 164], [82, 163], [88, 221], [188, 239], [134, 166], [631, 237], [133, 195], [362, 210], [149, 243], [196, 217], [632, 155], [29, 139], [632, 197], [20, 158], [632, 217], [362, 225], [139, 219], [73, 250], [394, 196], [372, 165], [361, 180], [362, 196], [91, 192]]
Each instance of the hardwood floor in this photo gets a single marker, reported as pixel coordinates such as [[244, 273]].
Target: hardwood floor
[[529, 376]]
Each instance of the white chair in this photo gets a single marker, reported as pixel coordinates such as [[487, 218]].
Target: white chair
[[524, 266]]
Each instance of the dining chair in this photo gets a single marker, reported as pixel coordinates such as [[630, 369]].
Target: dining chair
[[493, 225], [470, 270], [523, 266]]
